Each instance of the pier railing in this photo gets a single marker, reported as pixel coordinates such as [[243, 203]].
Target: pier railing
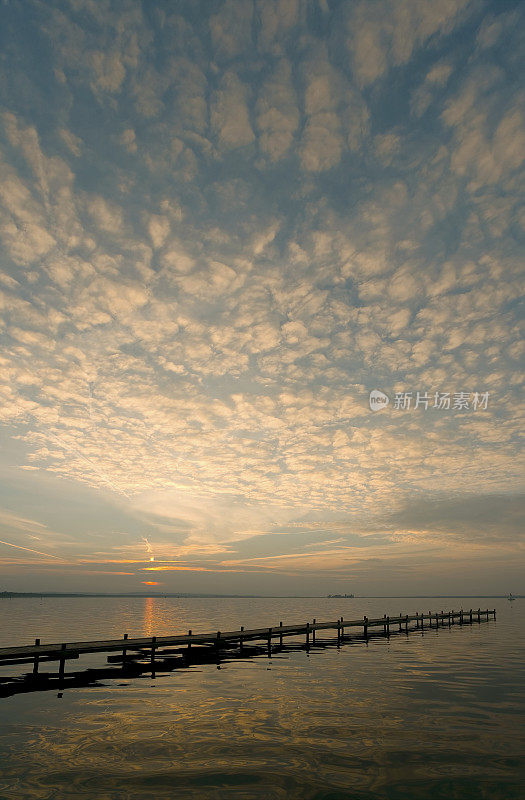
[[154, 647]]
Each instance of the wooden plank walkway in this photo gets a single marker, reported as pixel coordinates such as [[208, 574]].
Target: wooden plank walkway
[[154, 646]]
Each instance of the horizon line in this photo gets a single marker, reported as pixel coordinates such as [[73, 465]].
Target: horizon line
[[5, 594]]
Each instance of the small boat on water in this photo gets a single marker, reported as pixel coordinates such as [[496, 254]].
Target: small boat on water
[[511, 597]]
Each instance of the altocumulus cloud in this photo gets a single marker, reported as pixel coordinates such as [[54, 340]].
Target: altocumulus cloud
[[220, 232]]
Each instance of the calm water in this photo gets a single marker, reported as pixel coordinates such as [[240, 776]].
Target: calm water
[[438, 715]]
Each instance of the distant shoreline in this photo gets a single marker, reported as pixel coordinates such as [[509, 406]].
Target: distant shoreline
[[182, 596]]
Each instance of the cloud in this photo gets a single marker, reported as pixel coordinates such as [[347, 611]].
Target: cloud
[[382, 35], [472, 517], [277, 113], [72, 142], [275, 213], [107, 216], [278, 20], [488, 139], [231, 28], [12, 521], [229, 113], [108, 70]]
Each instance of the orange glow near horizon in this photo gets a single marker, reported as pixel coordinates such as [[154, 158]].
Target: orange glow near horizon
[[151, 583], [181, 568]]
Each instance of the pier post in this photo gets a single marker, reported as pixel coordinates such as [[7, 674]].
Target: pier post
[[313, 632], [384, 624], [152, 657], [338, 632], [461, 617], [62, 664], [35, 662], [449, 619], [189, 643], [281, 634], [437, 619], [241, 640], [342, 629], [487, 613], [269, 642], [430, 619], [124, 652], [494, 612], [307, 635], [400, 626], [417, 619], [406, 624], [218, 641], [365, 627], [470, 614]]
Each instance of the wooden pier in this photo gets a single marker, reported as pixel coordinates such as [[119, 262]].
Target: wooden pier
[[189, 645]]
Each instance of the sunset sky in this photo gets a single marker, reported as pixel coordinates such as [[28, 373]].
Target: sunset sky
[[222, 225]]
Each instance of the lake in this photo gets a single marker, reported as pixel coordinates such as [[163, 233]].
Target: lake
[[437, 714]]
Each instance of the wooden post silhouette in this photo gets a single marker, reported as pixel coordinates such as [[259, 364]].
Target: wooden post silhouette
[[62, 663], [35, 662], [124, 652], [153, 641]]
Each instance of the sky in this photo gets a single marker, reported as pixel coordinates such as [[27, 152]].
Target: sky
[[225, 224]]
